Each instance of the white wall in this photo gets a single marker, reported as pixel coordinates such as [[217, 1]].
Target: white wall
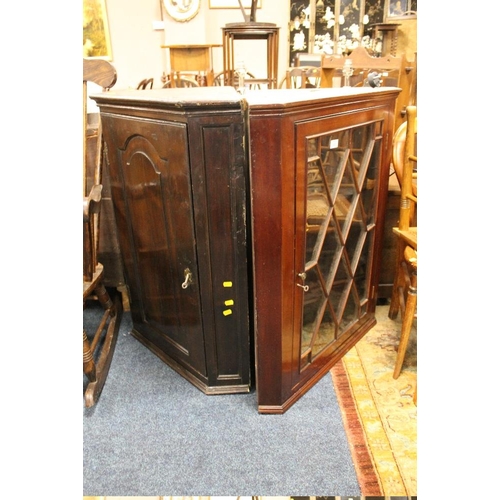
[[136, 45]]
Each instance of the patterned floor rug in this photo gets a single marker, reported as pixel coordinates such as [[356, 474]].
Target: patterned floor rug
[[380, 414]]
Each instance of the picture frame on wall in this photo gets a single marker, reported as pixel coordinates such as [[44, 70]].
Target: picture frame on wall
[[401, 9], [232, 4], [96, 39]]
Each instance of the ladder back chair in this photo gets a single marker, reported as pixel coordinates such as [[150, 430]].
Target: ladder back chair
[[404, 291], [231, 79], [99, 348], [183, 80], [301, 77], [144, 84]]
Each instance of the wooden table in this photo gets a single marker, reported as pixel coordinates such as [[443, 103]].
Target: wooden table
[[252, 31]]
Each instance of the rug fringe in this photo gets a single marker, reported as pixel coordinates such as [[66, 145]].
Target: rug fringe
[[369, 481]]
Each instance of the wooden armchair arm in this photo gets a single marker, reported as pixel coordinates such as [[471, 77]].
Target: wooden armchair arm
[[92, 203]]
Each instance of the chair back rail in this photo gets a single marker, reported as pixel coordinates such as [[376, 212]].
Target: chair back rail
[[102, 73]]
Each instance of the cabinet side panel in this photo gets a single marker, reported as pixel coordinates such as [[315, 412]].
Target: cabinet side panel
[[266, 202], [219, 191]]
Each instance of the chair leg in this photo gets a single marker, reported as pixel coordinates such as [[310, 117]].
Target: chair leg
[[88, 359], [104, 298], [409, 314], [94, 388], [395, 305]]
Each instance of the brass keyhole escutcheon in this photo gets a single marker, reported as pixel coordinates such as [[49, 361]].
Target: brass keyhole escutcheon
[[188, 278], [303, 276]]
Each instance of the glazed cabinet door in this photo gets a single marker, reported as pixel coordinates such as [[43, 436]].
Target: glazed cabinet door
[[337, 191], [151, 180]]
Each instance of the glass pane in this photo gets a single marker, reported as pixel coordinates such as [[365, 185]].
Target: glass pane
[[340, 214]]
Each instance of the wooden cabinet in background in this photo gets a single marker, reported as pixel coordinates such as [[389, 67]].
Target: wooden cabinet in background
[[178, 175]]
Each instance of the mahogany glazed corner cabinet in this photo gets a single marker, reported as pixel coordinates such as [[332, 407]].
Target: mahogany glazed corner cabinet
[[319, 162], [250, 228]]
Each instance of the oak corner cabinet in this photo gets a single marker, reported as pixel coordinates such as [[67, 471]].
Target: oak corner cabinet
[[178, 174], [319, 163]]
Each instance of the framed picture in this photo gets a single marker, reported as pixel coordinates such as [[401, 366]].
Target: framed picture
[[96, 40], [401, 9], [232, 4], [182, 10]]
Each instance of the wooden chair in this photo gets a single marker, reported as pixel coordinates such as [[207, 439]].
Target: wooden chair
[[398, 154], [301, 77], [97, 351], [183, 80], [404, 292], [395, 72], [143, 84], [224, 78]]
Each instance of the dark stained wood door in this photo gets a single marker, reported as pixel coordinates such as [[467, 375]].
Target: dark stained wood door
[[154, 201]]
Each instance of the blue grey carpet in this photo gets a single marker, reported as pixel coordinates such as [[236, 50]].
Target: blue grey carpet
[[153, 433]]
